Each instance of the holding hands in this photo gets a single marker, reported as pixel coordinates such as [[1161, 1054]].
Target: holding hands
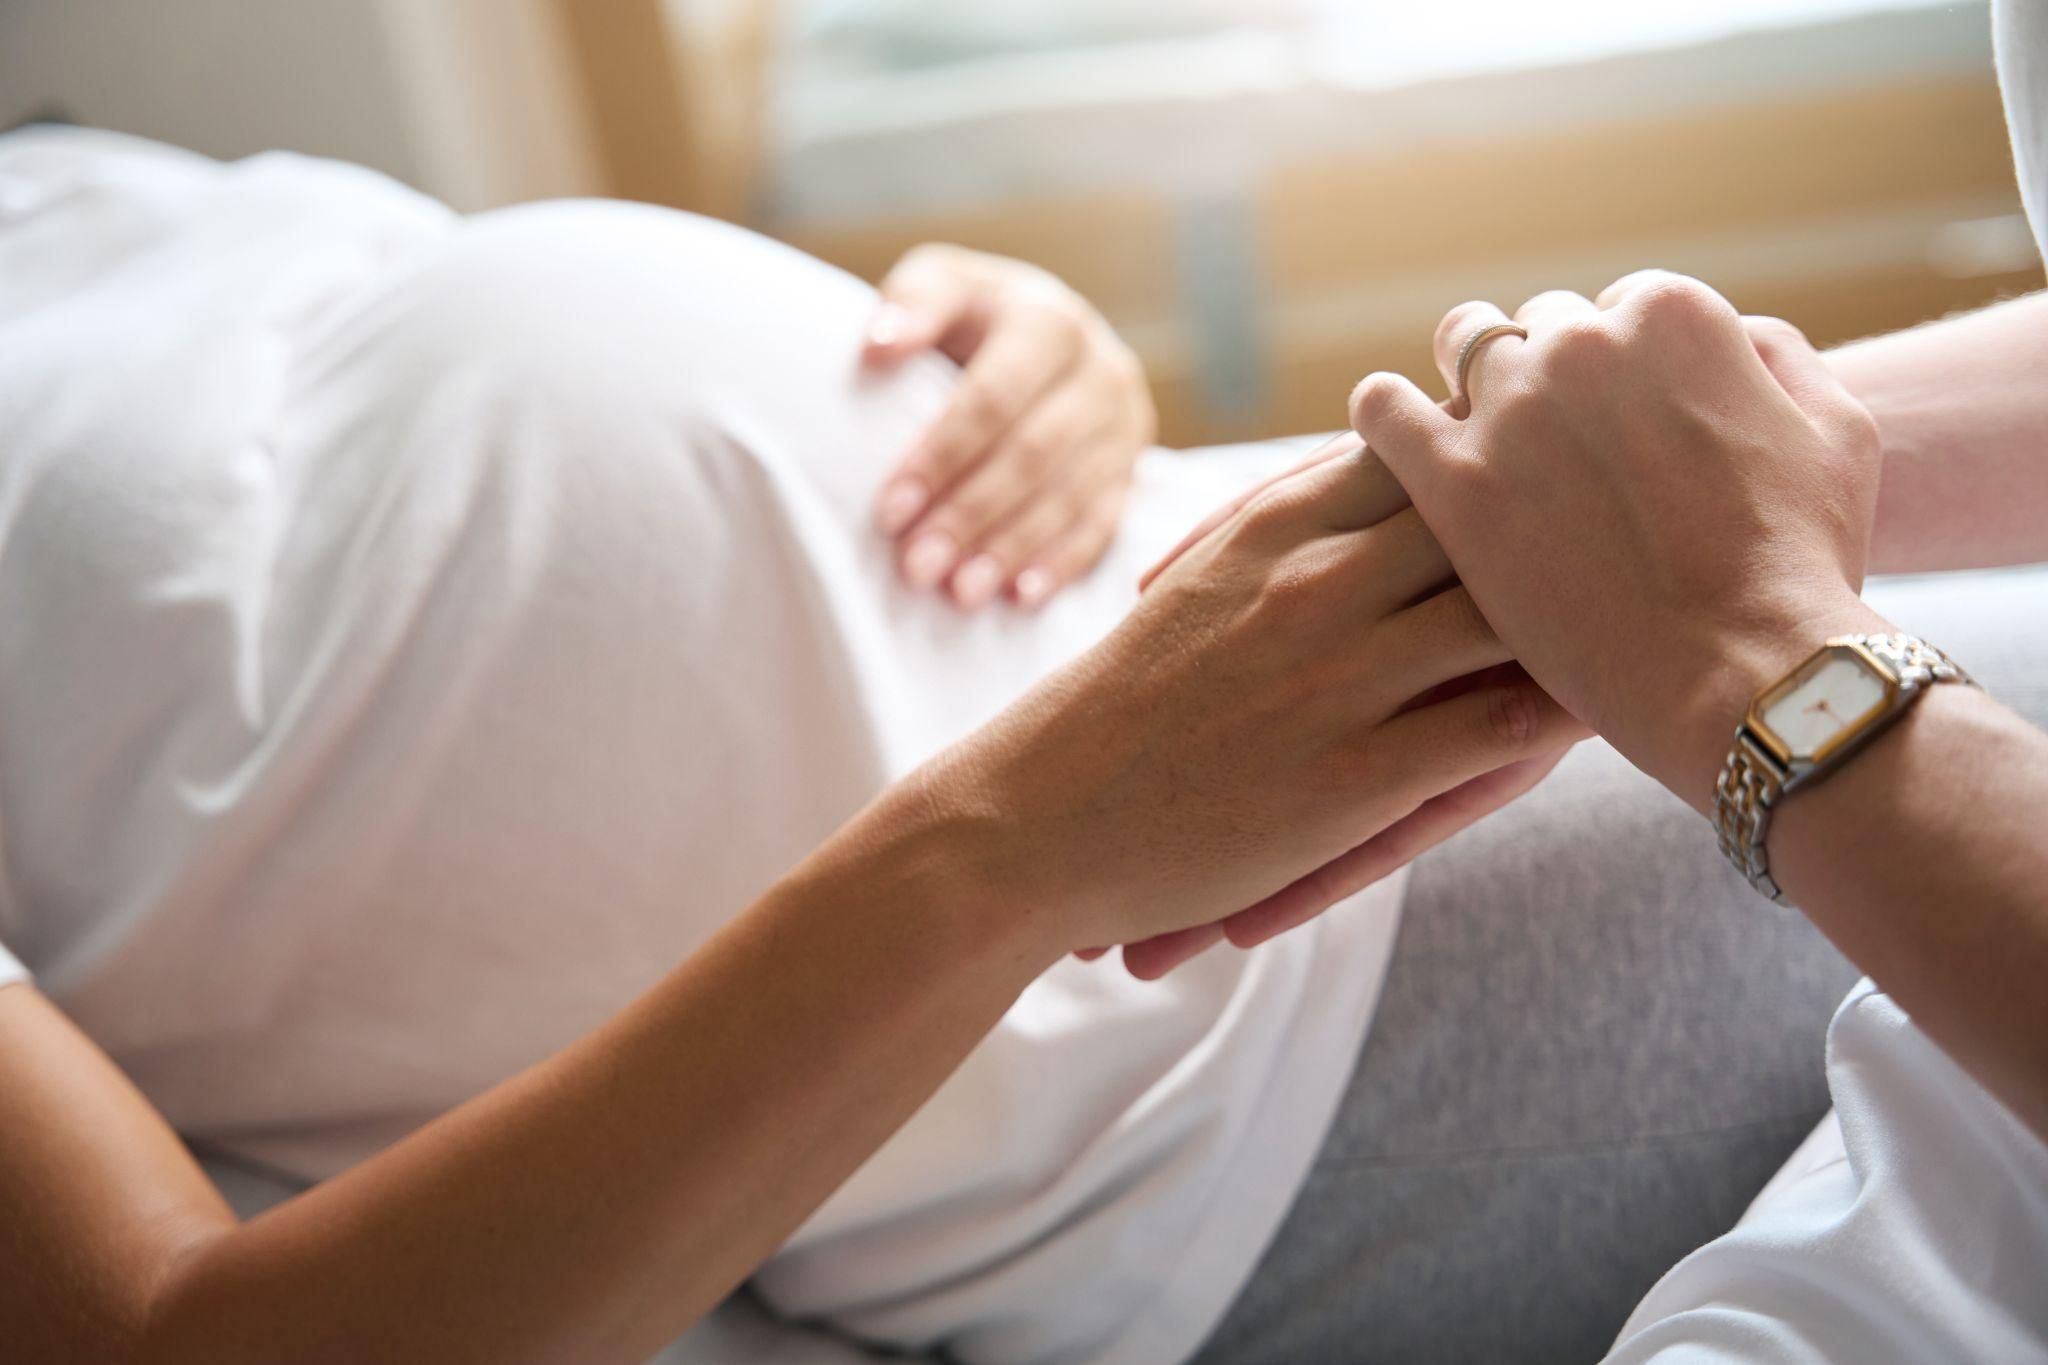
[[1648, 502], [1659, 504], [1303, 700]]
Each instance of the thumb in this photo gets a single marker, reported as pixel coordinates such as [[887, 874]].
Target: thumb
[[1408, 431], [921, 301]]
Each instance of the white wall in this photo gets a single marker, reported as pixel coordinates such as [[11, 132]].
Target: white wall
[[467, 99]]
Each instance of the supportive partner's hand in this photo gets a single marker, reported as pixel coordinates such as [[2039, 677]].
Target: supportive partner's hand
[[1018, 485], [1652, 499], [1268, 728]]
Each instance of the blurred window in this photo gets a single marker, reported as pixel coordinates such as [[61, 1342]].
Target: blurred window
[[1369, 41]]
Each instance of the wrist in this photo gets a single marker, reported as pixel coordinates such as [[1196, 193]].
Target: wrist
[[937, 859], [1736, 662]]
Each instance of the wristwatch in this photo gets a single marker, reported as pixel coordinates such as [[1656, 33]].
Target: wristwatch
[[1808, 724]]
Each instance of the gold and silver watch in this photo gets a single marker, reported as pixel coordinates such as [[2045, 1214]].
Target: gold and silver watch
[[1807, 724]]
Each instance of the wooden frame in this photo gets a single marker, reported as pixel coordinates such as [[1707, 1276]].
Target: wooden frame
[[676, 91]]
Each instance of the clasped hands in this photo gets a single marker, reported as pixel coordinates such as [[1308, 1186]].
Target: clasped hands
[[1648, 505]]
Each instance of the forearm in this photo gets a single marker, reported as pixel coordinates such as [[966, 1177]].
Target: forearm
[[1923, 858], [1964, 423], [596, 1205]]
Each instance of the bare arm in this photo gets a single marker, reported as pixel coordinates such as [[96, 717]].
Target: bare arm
[[587, 1210], [1962, 410], [1276, 698], [1924, 860]]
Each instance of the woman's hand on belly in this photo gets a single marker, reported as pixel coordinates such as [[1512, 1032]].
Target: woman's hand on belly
[[1018, 485], [1304, 699]]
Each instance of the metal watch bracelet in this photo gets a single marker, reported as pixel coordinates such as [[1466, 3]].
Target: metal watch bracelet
[[1752, 780]]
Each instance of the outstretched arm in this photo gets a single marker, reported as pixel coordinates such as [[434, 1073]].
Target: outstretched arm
[[587, 1210], [1276, 699]]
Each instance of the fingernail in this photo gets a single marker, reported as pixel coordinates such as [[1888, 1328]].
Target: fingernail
[[1034, 586], [887, 326], [977, 581], [928, 558], [901, 501]]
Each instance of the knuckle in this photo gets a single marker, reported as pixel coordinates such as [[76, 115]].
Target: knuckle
[[1291, 588], [940, 456], [1635, 281], [1123, 367], [1065, 507], [1030, 451], [1547, 299], [1377, 759], [1268, 509], [1051, 449], [1512, 717], [927, 255], [979, 405], [1066, 322], [1459, 320], [1770, 331], [976, 508], [1452, 624], [1014, 538], [1011, 549], [1578, 346], [1041, 525], [1677, 298], [922, 261]]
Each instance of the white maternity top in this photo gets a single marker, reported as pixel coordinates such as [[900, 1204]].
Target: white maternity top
[[417, 634]]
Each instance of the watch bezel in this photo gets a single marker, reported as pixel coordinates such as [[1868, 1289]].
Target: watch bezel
[[1776, 747]]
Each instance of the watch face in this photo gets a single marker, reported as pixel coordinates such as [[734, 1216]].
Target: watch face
[[1821, 704]]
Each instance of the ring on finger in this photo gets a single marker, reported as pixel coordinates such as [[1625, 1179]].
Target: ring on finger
[[1480, 336]]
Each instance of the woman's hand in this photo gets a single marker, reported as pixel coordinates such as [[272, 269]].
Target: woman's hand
[[1019, 484], [1268, 729], [1659, 504]]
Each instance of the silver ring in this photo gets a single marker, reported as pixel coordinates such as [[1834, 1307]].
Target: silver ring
[[1472, 343]]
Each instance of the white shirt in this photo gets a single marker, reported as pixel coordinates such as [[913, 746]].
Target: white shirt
[[1912, 1226], [2020, 39], [417, 634]]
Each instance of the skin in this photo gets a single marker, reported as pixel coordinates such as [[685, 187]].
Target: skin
[[1721, 485], [1017, 486], [1393, 848], [1277, 700], [1959, 413]]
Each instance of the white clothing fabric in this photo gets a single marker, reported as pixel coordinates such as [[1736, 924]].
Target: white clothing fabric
[[2020, 40], [1913, 1224], [417, 634]]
